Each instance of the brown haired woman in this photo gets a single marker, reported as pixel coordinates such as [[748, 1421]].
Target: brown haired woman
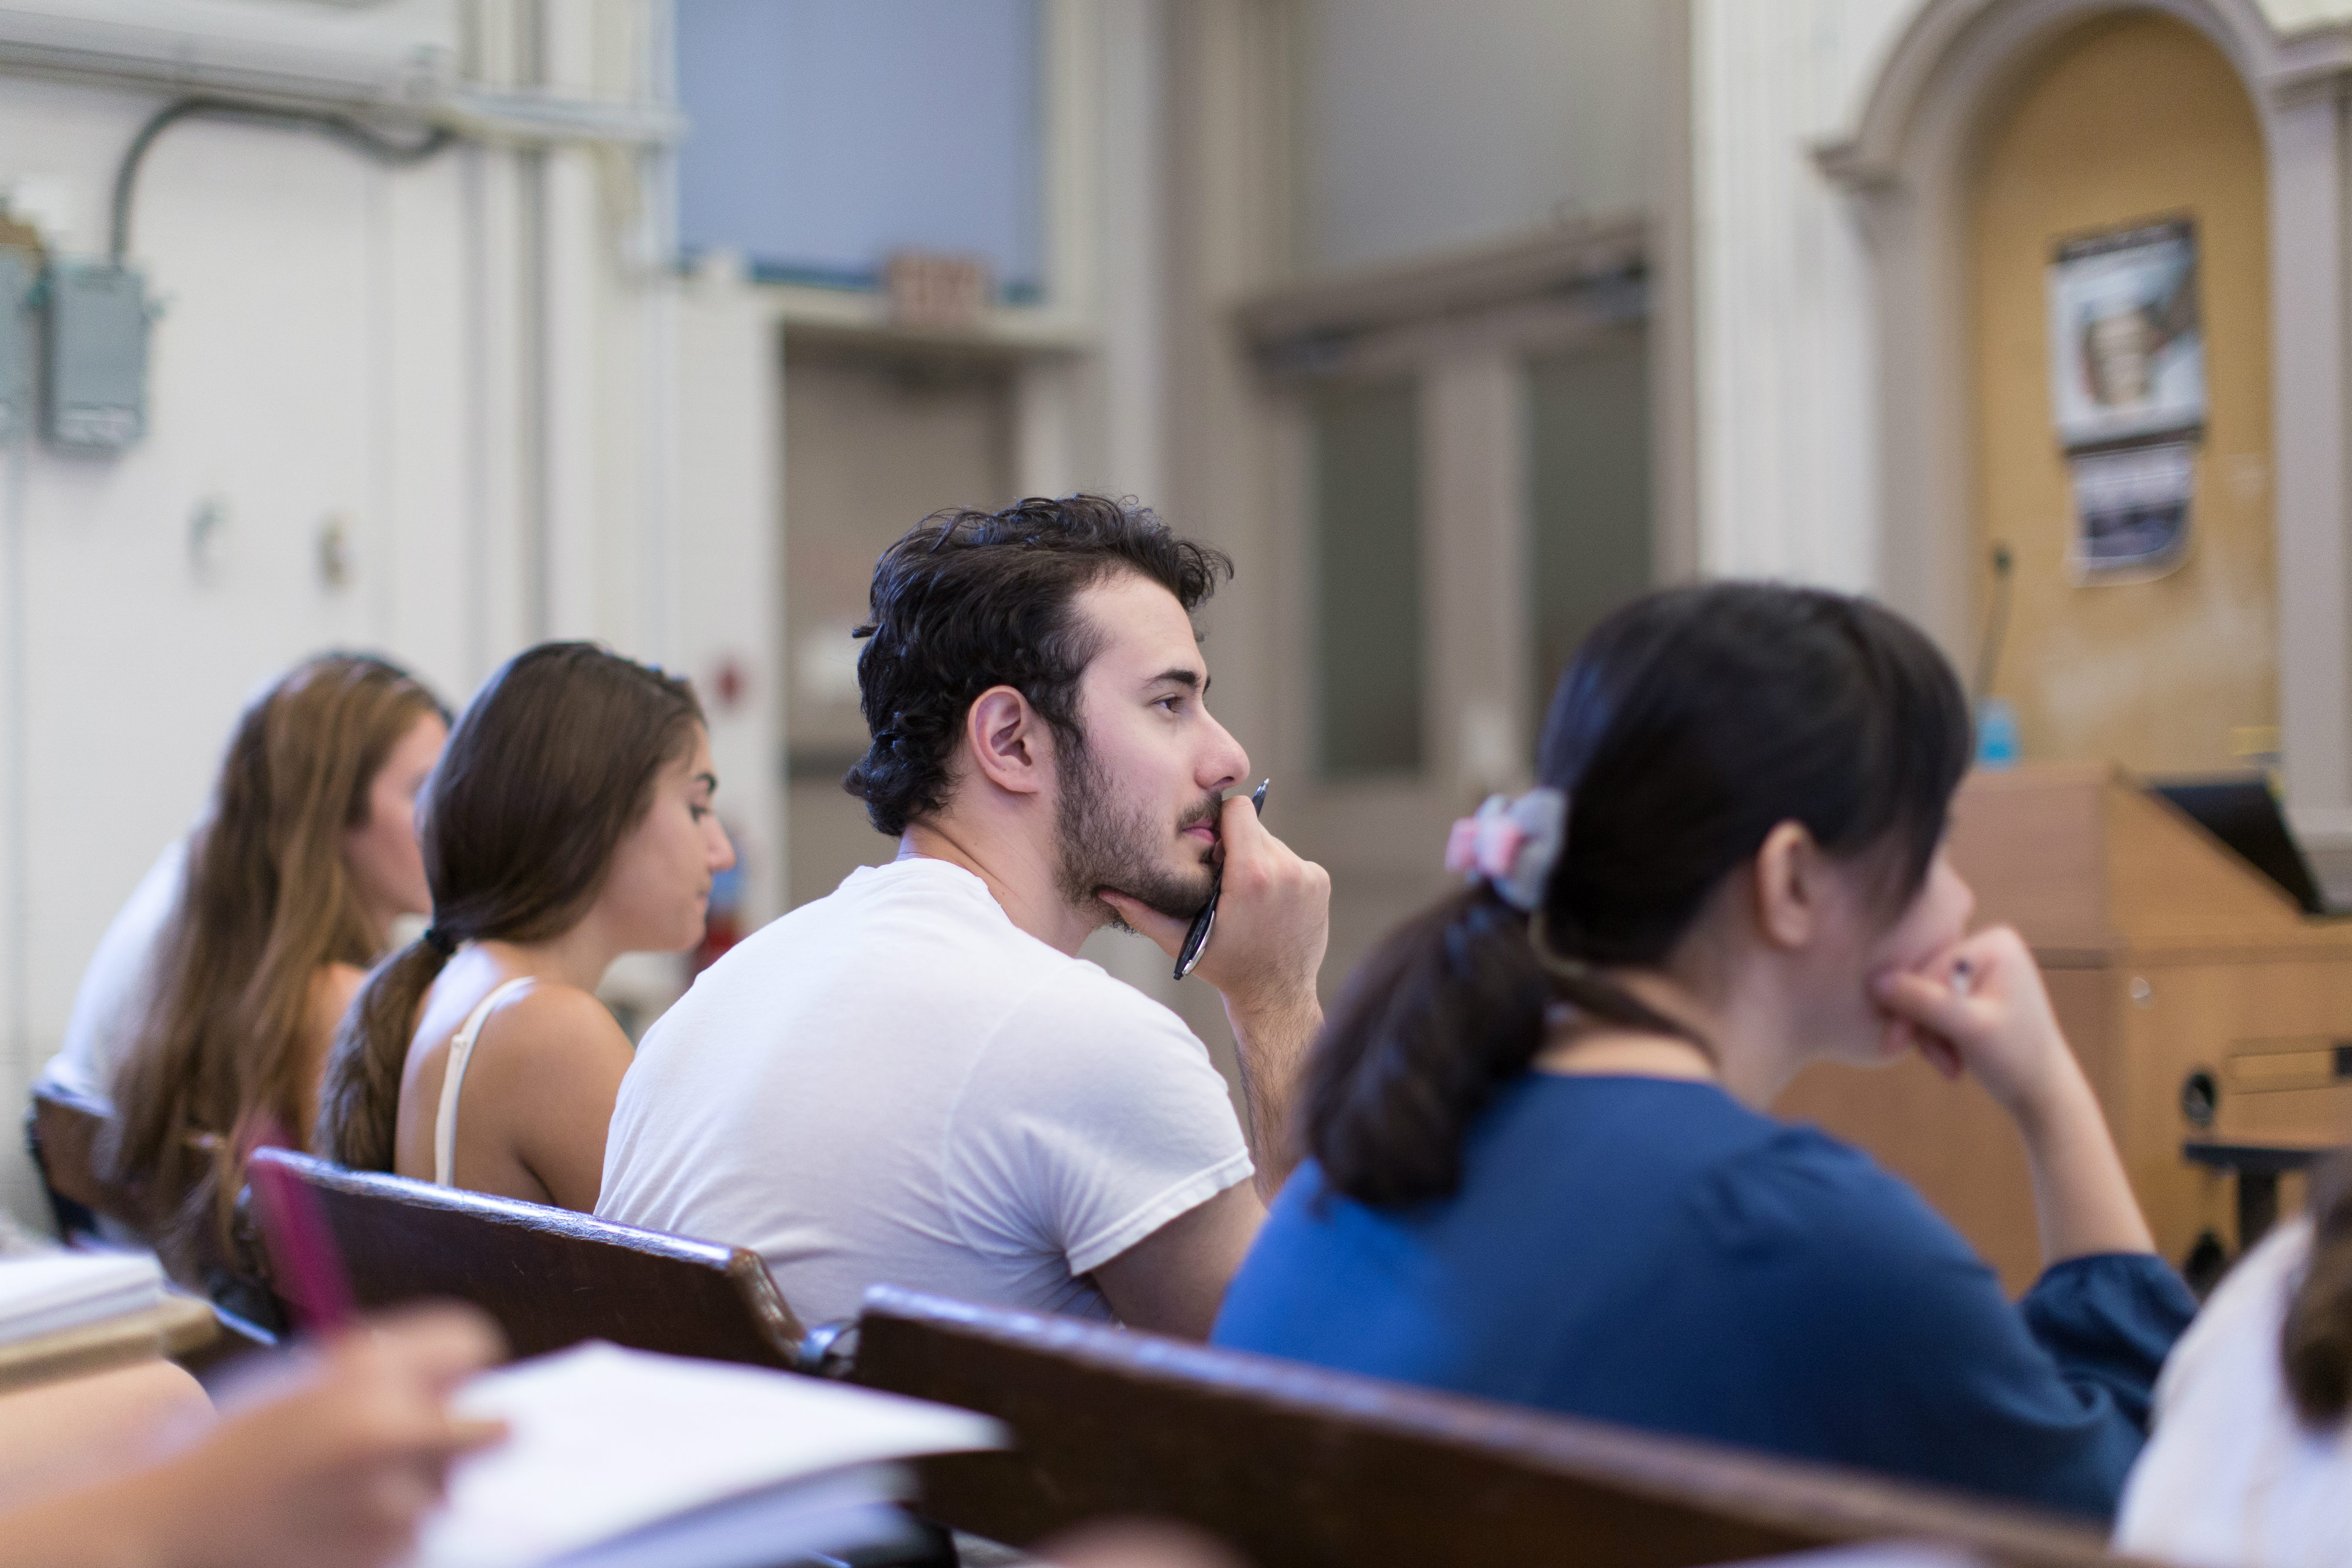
[[2252, 1457], [570, 823], [291, 884]]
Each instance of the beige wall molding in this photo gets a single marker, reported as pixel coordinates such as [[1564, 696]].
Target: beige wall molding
[[1979, 38], [1904, 163]]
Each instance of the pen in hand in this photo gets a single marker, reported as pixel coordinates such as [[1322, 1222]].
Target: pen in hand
[[302, 1252], [1196, 940], [1940, 1053]]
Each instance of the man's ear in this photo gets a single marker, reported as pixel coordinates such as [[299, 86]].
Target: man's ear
[[1790, 873], [1006, 742]]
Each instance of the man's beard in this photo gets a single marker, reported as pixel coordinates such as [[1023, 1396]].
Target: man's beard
[[1107, 845]]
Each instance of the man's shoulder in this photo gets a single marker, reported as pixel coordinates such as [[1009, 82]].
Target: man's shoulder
[[905, 917], [1087, 1039], [875, 952], [1083, 999]]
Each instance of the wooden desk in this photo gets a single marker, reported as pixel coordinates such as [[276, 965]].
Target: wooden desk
[[2203, 1004], [175, 1326], [1308, 1468]]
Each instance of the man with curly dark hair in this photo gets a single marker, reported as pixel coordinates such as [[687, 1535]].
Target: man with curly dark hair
[[915, 1081]]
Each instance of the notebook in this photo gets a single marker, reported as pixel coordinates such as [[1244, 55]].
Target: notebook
[[53, 1292], [623, 1458]]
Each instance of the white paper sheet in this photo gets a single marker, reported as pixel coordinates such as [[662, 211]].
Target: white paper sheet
[[67, 1290], [608, 1441]]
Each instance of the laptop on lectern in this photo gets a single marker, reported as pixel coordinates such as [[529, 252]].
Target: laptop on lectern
[[2239, 809]]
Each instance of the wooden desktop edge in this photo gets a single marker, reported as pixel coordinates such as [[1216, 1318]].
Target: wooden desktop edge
[[173, 1327], [1801, 1498]]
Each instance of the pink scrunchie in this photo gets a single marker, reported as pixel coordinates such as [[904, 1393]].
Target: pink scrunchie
[[1511, 844]]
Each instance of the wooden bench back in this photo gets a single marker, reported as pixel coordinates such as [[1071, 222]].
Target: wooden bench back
[[1302, 1467], [63, 1132], [549, 1276]]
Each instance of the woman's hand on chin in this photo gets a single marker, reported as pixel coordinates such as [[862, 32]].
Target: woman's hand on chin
[[1980, 1006]]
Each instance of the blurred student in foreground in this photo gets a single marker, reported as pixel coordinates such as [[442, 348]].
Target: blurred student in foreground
[[336, 1471], [2251, 1461], [569, 823], [1543, 1169], [210, 1004]]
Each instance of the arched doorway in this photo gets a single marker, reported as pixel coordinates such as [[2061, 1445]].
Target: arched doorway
[[2125, 126], [1908, 159], [1996, 133]]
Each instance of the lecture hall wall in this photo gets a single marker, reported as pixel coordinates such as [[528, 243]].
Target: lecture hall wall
[[346, 345]]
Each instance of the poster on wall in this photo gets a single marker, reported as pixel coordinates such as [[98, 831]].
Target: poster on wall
[[2131, 511], [2128, 394], [2127, 349]]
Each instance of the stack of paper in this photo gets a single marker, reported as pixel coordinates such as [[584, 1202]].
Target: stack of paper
[[619, 1458], [58, 1290]]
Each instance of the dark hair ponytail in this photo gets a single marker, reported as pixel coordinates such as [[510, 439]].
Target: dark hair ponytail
[[359, 1103], [547, 770], [2315, 1340], [1447, 1007], [1691, 723]]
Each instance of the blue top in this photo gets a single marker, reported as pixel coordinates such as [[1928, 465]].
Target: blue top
[[1650, 1252]]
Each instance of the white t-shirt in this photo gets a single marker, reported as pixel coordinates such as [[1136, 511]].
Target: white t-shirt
[[894, 1084], [2230, 1476], [112, 1001]]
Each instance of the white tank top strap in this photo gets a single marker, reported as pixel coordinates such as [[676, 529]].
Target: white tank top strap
[[453, 1078]]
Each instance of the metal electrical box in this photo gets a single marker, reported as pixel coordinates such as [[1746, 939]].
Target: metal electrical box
[[97, 360], [20, 269]]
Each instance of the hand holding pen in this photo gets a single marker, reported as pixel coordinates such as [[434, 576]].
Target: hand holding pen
[[1196, 940], [343, 1447], [1262, 951], [1264, 943], [1980, 1007]]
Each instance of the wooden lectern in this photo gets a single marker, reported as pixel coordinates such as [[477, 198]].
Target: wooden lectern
[[2203, 1003]]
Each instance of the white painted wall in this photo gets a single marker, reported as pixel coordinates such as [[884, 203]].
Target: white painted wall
[[728, 570], [1423, 127], [1785, 418], [345, 339], [305, 367]]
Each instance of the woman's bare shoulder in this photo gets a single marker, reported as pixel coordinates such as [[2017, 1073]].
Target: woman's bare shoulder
[[549, 1016]]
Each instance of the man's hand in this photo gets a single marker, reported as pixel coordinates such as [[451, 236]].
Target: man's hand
[[1274, 921]]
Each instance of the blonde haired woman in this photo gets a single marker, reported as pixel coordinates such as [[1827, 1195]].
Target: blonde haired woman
[[293, 879]]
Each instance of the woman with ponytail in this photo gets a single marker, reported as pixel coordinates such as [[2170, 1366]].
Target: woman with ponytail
[[568, 823], [2251, 1458], [1543, 1169], [216, 1026]]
